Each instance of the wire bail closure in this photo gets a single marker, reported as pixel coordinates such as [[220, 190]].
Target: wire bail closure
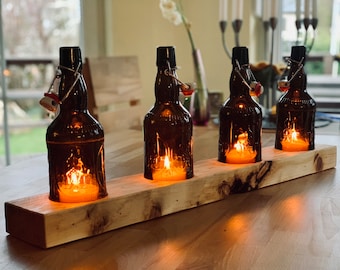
[[185, 88], [51, 100], [284, 84], [255, 87]]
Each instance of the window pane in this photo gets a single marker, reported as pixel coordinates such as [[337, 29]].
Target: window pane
[[37, 28], [33, 32]]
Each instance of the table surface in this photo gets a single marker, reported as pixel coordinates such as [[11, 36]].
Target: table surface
[[293, 225]]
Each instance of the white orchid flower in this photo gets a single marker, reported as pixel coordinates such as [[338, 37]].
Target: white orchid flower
[[170, 11]]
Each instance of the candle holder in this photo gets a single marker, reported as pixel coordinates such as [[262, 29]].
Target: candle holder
[[75, 139], [132, 198], [236, 25], [167, 126], [296, 108], [307, 22], [77, 172], [240, 116]]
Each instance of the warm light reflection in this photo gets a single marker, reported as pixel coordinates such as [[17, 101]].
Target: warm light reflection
[[238, 227], [171, 252], [294, 212], [242, 151]]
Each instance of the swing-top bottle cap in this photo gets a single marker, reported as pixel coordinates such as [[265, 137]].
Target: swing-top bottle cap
[[297, 53], [165, 55], [241, 55], [70, 57]]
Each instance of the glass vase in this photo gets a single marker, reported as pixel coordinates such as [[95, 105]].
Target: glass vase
[[199, 105]]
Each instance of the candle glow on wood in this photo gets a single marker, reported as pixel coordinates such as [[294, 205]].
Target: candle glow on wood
[[169, 167], [79, 185], [242, 151], [292, 141]]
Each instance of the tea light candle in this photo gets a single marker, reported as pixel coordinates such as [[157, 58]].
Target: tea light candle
[[243, 156], [169, 169], [242, 151], [293, 142], [81, 193], [79, 187]]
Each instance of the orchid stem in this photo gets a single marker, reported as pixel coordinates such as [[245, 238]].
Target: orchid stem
[[187, 26]]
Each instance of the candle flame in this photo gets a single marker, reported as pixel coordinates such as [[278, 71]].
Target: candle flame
[[167, 162], [76, 174], [242, 142], [169, 167], [291, 135], [294, 135]]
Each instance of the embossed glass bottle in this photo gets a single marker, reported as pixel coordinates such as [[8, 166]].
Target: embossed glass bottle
[[75, 139], [240, 116], [167, 126], [296, 109]]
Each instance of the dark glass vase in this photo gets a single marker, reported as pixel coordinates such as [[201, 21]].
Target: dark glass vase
[[75, 139], [199, 105], [296, 109], [167, 126], [240, 117]]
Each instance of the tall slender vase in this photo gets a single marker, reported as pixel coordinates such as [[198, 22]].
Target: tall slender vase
[[199, 106]]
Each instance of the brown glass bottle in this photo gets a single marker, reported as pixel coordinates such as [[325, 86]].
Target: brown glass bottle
[[240, 116], [167, 126], [296, 109], [75, 139]]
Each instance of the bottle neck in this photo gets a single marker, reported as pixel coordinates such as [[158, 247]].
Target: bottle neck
[[237, 85], [297, 77], [166, 86], [72, 91]]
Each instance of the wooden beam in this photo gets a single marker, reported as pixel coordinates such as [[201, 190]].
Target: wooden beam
[[133, 199]]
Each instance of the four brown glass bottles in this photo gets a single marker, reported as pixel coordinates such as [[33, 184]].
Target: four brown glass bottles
[[75, 140]]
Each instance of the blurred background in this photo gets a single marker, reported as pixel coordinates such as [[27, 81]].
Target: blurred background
[[33, 31]]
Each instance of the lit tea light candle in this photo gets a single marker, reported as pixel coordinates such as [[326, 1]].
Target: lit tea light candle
[[242, 152], [78, 187], [170, 169], [292, 141]]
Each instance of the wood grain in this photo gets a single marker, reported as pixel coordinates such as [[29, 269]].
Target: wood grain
[[133, 199]]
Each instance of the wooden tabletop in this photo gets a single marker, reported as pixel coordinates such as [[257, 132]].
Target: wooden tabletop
[[293, 225]]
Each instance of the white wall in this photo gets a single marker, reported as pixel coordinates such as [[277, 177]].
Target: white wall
[[134, 27]]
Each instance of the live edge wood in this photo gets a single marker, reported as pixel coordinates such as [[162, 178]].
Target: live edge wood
[[133, 199]]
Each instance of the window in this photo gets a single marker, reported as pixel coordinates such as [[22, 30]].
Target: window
[[33, 31], [326, 45]]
